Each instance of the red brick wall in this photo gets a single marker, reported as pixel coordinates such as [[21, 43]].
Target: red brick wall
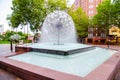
[[89, 6]]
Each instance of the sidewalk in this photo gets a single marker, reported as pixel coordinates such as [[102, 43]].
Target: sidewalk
[[7, 76], [5, 49], [115, 47]]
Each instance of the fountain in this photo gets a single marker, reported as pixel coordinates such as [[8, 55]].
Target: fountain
[[58, 28], [58, 36], [58, 56]]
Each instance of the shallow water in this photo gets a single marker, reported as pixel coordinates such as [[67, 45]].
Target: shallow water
[[80, 64]]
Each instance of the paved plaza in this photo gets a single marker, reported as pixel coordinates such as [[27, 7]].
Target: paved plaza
[[4, 50]]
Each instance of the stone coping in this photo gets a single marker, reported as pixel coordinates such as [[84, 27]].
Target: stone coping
[[52, 51], [107, 70]]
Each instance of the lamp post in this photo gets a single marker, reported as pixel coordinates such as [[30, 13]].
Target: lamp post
[[11, 46]]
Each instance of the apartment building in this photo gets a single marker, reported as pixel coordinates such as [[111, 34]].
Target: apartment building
[[89, 6]]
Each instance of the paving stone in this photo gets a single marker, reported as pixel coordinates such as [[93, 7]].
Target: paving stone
[[5, 49], [7, 76]]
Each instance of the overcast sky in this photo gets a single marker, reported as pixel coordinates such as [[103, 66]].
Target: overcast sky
[[70, 2], [5, 10]]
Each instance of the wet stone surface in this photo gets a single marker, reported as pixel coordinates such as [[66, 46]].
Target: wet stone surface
[[7, 76], [5, 49]]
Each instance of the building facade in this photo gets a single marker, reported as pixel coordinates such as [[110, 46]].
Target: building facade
[[89, 6], [1, 29], [114, 31]]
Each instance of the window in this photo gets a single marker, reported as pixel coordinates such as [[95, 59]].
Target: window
[[90, 35], [90, 6], [90, 0], [96, 5], [90, 12]]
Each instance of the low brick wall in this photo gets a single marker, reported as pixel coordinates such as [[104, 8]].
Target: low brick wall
[[22, 49]]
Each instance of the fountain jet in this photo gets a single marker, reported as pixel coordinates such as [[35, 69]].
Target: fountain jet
[[58, 28]]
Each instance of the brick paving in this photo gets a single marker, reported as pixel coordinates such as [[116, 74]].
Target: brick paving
[[116, 47], [7, 76], [5, 49]]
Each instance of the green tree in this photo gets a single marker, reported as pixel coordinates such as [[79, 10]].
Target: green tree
[[81, 21], [52, 5], [33, 12], [8, 34], [116, 12], [103, 16], [27, 12], [108, 15]]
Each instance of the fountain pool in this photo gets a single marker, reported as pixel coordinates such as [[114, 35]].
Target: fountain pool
[[80, 64]]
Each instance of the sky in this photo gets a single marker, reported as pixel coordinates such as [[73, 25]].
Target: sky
[[70, 2], [5, 10]]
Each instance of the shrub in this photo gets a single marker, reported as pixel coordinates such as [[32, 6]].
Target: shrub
[[1, 37]]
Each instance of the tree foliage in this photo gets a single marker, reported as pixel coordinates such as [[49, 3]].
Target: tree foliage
[[108, 14], [52, 5], [10, 33], [27, 12], [81, 21], [32, 12], [116, 13]]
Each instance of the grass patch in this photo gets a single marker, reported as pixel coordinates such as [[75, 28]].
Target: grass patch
[[4, 42], [8, 42]]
